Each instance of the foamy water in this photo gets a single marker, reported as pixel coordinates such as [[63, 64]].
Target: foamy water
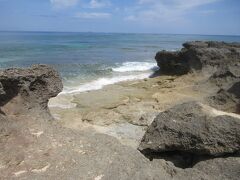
[[125, 72], [135, 66], [90, 61], [101, 82]]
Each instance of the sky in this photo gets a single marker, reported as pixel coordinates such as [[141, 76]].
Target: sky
[[213, 17]]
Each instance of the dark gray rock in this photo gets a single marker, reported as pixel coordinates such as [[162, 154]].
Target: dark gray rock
[[192, 128], [220, 60], [211, 54], [209, 44], [172, 63], [33, 86], [198, 55], [2, 92]]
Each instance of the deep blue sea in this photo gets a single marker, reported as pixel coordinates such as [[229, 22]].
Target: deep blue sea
[[90, 61]]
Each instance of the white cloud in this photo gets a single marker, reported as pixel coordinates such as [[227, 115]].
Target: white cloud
[[177, 3], [98, 4], [93, 15], [61, 4], [164, 10]]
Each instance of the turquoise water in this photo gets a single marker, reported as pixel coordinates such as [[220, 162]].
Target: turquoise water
[[91, 60]]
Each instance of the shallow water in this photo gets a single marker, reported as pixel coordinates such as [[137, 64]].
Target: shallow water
[[89, 61]]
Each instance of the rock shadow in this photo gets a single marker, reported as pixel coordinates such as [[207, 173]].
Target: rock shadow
[[10, 89], [183, 159]]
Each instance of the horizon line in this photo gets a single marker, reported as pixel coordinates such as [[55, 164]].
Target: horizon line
[[33, 31]]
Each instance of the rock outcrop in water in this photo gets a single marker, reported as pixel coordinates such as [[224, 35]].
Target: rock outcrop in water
[[199, 55]]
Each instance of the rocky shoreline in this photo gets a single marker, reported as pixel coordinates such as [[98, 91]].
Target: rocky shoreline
[[183, 123]]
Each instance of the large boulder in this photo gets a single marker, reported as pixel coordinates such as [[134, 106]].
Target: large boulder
[[26, 89], [192, 128], [198, 55]]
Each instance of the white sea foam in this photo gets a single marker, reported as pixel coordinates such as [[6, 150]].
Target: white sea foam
[[101, 82], [132, 70], [135, 66]]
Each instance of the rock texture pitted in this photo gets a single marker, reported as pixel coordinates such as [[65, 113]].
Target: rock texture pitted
[[221, 168], [219, 61], [33, 148], [172, 63], [198, 55], [189, 141], [28, 88], [227, 97], [192, 128]]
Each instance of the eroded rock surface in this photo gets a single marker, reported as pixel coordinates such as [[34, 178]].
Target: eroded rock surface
[[23, 90], [192, 128], [221, 168], [36, 149], [33, 148], [219, 61], [198, 55], [227, 97], [172, 63]]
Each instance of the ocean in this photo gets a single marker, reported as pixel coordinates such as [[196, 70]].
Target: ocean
[[90, 61]]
